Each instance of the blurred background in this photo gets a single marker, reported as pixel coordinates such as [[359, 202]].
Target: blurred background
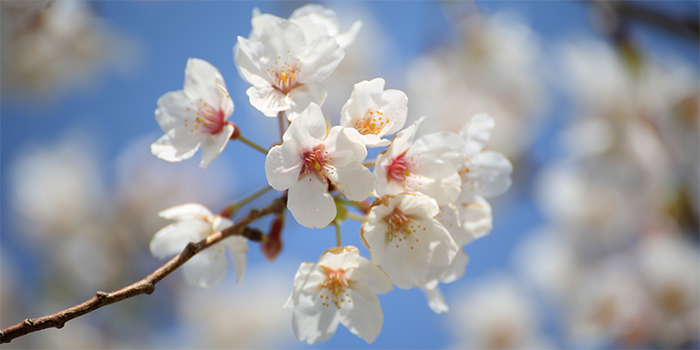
[[596, 105]]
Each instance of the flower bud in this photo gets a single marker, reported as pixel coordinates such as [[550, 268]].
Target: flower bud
[[273, 244]]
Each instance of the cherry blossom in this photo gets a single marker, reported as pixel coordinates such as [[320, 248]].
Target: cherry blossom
[[284, 67], [485, 173], [375, 112], [310, 159], [194, 222], [315, 20], [340, 289], [404, 238], [428, 166], [195, 117]]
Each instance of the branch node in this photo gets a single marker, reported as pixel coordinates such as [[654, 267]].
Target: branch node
[[149, 288], [102, 295], [253, 234], [192, 247], [29, 322]]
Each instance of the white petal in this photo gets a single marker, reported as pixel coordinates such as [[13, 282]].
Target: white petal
[[436, 301], [268, 100], [439, 154], [344, 146], [475, 219], [207, 268], [373, 234], [187, 211], [458, 268], [371, 276], [215, 144], [173, 108], [302, 96], [247, 54], [201, 81], [476, 132], [238, 246], [491, 173], [319, 59], [310, 203], [442, 190], [314, 322], [308, 129], [283, 165], [299, 280], [340, 258], [315, 21], [349, 37], [172, 239], [394, 105], [363, 316], [354, 181], [281, 40], [176, 145], [363, 96]]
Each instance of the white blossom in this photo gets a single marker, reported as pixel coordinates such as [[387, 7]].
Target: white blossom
[[340, 289], [485, 173], [195, 117], [404, 238], [312, 158], [284, 67], [428, 166], [194, 222], [375, 112]]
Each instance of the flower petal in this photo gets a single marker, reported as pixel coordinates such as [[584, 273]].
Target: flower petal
[[187, 211], [172, 239], [207, 268], [238, 246], [283, 165], [303, 95], [319, 59], [476, 132], [215, 144], [201, 81], [176, 145], [314, 322], [354, 181], [436, 300], [371, 276], [363, 315], [347, 38], [268, 100], [310, 203], [363, 97], [491, 173], [344, 146], [247, 54], [308, 129], [173, 108]]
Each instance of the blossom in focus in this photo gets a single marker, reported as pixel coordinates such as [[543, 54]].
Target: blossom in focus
[[404, 238], [285, 68], [310, 159], [195, 117], [375, 112], [194, 222], [340, 288], [428, 166]]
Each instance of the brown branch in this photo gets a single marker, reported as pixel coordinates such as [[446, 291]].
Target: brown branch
[[148, 284]]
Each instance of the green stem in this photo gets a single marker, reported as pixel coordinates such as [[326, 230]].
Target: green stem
[[356, 217], [232, 208], [337, 233], [252, 144]]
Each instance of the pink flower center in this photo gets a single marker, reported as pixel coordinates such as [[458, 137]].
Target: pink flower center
[[284, 78], [335, 287], [314, 160], [399, 169], [209, 120]]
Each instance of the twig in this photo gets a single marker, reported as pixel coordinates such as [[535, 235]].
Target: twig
[[148, 284]]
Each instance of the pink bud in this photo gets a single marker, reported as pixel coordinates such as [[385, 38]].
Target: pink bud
[[273, 244]]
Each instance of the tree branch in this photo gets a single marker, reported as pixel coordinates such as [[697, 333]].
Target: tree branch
[[148, 284]]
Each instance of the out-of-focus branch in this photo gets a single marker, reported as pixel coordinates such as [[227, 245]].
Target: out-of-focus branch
[[148, 284], [685, 26]]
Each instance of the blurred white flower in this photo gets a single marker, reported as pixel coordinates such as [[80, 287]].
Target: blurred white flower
[[346, 285], [403, 237], [375, 112], [496, 314], [284, 68], [496, 69], [428, 166], [310, 159], [195, 117], [50, 47], [194, 222]]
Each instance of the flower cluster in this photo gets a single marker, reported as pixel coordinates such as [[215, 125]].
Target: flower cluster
[[429, 193]]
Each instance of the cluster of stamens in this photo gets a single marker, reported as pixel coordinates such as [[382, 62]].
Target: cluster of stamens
[[371, 124], [399, 169], [284, 77], [209, 119], [335, 284], [400, 226], [314, 160]]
